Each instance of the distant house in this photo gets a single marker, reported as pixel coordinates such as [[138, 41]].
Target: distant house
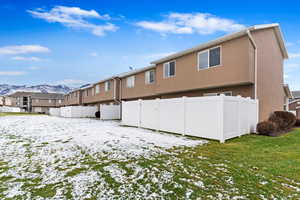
[[294, 105], [35, 102], [296, 95]]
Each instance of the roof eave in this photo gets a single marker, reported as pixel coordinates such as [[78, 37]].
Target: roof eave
[[230, 37]]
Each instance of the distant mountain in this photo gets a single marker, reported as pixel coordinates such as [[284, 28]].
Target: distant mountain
[[6, 89]]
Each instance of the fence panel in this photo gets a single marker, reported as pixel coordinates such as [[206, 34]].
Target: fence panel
[[203, 117], [131, 113], [149, 114], [55, 112], [9, 109], [171, 115], [78, 111], [108, 112], [218, 117]]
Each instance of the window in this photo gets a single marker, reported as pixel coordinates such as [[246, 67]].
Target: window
[[93, 91], [209, 58], [169, 69], [229, 93], [149, 77], [59, 101], [130, 81], [50, 100], [107, 85], [97, 89]]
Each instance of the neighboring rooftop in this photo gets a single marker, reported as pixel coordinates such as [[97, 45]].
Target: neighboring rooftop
[[296, 94], [38, 95]]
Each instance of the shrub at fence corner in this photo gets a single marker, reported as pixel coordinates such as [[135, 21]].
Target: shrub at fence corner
[[297, 122], [285, 120], [267, 128], [279, 121]]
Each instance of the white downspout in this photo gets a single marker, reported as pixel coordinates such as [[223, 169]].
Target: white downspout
[[255, 63]]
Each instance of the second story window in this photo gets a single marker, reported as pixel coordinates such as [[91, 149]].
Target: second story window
[[149, 77], [209, 58], [169, 69], [97, 89], [107, 85], [130, 81]]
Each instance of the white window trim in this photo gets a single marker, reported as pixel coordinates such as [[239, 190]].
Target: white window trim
[[210, 94], [169, 65], [207, 50], [216, 93], [97, 91], [147, 80], [106, 86], [133, 77]]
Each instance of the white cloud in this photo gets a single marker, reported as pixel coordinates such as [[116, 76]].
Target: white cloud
[[34, 68], [159, 55], [94, 54], [289, 44], [12, 73], [22, 58], [292, 65], [75, 17], [294, 55], [23, 49], [72, 82], [189, 23]]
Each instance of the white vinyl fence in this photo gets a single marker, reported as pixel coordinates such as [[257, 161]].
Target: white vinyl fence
[[108, 112], [54, 112], [78, 111], [9, 109], [216, 117]]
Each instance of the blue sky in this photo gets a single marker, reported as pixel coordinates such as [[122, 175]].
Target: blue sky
[[76, 42]]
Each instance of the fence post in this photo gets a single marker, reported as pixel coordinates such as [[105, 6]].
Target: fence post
[[157, 100], [221, 118], [248, 117], [239, 114], [184, 114], [140, 112]]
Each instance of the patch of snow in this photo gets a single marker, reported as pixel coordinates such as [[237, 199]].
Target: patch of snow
[[57, 151]]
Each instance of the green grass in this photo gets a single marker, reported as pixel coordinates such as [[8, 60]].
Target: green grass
[[2, 114], [249, 166]]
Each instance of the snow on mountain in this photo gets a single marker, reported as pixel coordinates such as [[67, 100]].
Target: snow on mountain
[[6, 89]]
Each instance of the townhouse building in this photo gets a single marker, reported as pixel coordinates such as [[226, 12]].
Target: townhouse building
[[294, 104], [248, 63], [35, 102]]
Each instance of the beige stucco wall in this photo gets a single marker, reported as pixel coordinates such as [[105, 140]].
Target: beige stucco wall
[[102, 96], [140, 89], [270, 73], [234, 69], [242, 90], [73, 98]]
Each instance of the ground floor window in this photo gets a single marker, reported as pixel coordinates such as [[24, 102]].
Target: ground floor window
[[228, 93]]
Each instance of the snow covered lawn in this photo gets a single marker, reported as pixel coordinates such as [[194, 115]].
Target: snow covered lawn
[[80, 158], [44, 157]]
